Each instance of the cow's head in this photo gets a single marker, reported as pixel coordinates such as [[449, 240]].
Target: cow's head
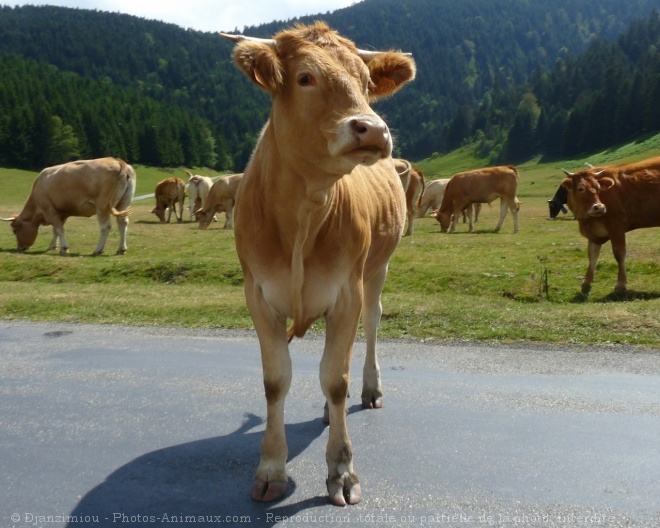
[[159, 211], [205, 217], [584, 189], [443, 217], [321, 86], [26, 231]]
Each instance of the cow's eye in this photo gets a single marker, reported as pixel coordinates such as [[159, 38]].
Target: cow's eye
[[306, 79]]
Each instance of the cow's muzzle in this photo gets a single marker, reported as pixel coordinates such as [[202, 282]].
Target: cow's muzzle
[[597, 209], [371, 134]]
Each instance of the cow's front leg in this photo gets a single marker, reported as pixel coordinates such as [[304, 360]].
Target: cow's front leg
[[372, 391], [53, 242], [343, 482], [104, 230], [593, 249], [270, 481], [58, 233]]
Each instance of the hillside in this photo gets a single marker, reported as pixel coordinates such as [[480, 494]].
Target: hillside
[[194, 107]]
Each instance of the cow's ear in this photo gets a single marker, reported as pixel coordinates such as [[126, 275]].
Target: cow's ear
[[389, 71], [260, 63], [567, 183], [606, 183]]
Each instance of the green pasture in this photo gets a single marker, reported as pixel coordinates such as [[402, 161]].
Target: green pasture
[[481, 286]]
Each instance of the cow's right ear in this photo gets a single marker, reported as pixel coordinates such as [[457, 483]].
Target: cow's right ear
[[260, 63], [567, 183], [606, 183]]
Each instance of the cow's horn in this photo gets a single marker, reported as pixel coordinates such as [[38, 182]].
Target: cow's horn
[[567, 173], [8, 219], [241, 38], [368, 54]]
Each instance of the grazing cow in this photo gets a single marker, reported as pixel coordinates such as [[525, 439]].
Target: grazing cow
[[104, 187], [558, 202], [169, 193], [480, 186], [319, 212], [198, 190], [610, 201], [432, 196], [222, 197], [414, 194]]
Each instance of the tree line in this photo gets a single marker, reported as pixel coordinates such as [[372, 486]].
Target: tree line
[[516, 76]]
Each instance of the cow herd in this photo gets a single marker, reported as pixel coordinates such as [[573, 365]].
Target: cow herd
[[318, 213]]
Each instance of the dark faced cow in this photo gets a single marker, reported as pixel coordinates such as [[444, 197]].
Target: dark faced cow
[[319, 212], [610, 201], [558, 202]]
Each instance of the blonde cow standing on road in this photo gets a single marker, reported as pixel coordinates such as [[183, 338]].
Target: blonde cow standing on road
[[319, 212]]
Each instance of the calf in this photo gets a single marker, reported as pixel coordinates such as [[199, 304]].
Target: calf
[[169, 193]]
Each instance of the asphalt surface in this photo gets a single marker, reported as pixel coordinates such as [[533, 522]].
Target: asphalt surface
[[122, 427]]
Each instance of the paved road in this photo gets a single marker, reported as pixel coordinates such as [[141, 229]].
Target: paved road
[[125, 427]]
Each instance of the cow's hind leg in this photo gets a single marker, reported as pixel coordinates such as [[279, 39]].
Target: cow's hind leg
[[122, 226], [503, 209], [270, 480], [341, 326]]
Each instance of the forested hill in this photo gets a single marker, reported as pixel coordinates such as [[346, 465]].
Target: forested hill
[[89, 83]]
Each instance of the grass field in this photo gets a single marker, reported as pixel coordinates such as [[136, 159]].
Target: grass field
[[481, 286]]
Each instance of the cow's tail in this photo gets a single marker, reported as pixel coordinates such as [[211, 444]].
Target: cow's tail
[[421, 195], [122, 180]]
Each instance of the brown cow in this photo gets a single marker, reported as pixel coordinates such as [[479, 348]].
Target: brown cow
[[104, 187], [480, 186], [610, 201], [169, 193], [318, 215], [221, 197], [414, 194]]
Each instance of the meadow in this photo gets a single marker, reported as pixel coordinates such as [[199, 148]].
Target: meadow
[[480, 287]]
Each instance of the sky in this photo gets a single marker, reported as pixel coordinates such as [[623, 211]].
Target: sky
[[205, 15]]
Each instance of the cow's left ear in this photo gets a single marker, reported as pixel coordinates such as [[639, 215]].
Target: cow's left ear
[[389, 71], [606, 183]]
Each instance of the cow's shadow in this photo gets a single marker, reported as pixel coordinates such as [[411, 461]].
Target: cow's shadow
[[203, 480], [628, 295]]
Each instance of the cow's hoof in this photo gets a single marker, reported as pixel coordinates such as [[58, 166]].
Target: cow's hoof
[[344, 490], [121, 251], [263, 491], [586, 289], [372, 401]]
